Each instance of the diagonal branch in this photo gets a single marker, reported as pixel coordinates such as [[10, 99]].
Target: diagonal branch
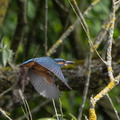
[[69, 30]]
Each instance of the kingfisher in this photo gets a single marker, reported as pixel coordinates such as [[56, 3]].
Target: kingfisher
[[40, 72]]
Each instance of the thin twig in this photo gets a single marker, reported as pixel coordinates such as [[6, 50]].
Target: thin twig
[[9, 89], [91, 6], [27, 109], [36, 109], [61, 108], [72, 27], [55, 109], [69, 30], [85, 27], [61, 6], [116, 112], [117, 2], [79, 15], [85, 91], [4, 113]]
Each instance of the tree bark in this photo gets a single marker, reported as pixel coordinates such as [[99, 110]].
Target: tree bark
[[75, 74]]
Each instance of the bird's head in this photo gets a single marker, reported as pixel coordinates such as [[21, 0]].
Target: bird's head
[[62, 62]]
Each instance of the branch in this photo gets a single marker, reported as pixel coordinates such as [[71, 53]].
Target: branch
[[113, 80], [9, 76], [69, 30]]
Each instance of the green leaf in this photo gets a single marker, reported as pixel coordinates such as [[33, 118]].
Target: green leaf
[[4, 57], [10, 55]]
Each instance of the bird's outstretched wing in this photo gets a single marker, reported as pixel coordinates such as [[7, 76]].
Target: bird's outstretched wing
[[44, 87], [52, 66], [49, 64]]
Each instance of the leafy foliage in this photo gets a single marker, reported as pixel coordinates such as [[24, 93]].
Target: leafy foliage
[[6, 54]]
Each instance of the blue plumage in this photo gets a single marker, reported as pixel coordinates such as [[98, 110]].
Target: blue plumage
[[39, 70], [31, 60]]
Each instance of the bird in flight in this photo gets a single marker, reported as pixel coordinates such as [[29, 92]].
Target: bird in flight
[[39, 72]]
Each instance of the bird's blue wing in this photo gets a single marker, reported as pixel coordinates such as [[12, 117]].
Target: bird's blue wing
[[28, 63], [42, 87], [31, 60], [52, 66]]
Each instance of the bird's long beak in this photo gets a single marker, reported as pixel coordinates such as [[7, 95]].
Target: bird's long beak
[[69, 62]]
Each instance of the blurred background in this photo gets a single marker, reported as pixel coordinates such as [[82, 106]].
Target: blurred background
[[23, 35]]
